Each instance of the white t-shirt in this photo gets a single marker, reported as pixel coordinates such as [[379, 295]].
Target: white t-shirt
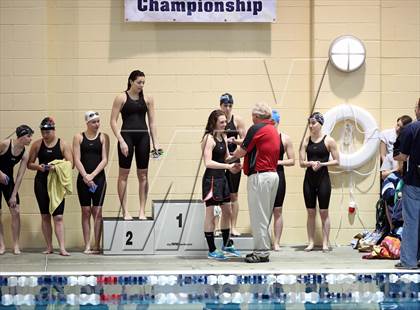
[[388, 137]]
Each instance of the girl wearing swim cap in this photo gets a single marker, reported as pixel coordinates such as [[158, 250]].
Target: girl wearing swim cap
[[91, 151], [314, 155], [286, 147], [47, 149], [235, 132], [12, 151]]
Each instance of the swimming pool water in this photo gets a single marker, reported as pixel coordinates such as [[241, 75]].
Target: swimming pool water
[[217, 291]]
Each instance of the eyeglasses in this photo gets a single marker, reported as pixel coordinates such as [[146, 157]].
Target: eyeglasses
[[228, 105], [93, 114]]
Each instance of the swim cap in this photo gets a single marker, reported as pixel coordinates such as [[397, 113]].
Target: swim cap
[[47, 124], [23, 130], [275, 116], [226, 98], [91, 115], [318, 117]]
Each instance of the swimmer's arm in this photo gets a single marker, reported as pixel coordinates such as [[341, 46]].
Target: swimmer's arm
[[332, 147], [67, 153], [288, 147], [241, 130], [151, 116], [32, 157], [116, 108], [21, 172], [303, 163], [3, 146], [76, 155]]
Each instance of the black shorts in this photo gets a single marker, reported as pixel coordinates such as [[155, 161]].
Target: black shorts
[[138, 143], [86, 197], [41, 194], [281, 190], [7, 191], [233, 181], [215, 190], [317, 186]]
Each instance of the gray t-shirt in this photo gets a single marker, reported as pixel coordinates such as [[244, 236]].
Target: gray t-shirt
[[388, 137]]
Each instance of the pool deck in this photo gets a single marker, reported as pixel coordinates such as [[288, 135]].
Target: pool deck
[[290, 259]]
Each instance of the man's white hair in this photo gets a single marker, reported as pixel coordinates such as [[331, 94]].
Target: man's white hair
[[262, 110]]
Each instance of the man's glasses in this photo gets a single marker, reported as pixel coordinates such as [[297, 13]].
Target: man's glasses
[[228, 105]]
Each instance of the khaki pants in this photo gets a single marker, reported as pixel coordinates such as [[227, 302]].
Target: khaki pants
[[262, 189]]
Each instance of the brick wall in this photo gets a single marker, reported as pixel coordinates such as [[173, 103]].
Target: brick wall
[[63, 57]]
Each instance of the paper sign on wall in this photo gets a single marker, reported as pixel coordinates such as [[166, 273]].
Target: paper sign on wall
[[201, 11]]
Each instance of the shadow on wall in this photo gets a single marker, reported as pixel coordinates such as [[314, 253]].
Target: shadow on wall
[[346, 85], [186, 39]]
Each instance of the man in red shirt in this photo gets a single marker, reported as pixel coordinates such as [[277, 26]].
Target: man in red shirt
[[261, 148]]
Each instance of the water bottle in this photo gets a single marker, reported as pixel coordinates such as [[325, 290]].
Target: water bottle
[[93, 188]]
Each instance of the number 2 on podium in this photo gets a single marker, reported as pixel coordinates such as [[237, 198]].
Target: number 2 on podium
[[129, 236]]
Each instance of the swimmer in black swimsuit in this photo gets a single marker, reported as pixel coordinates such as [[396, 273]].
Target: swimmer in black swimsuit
[[11, 152], [133, 138], [286, 147], [315, 157], [235, 132], [215, 185], [90, 151], [46, 150]]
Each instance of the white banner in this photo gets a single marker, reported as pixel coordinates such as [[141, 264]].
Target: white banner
[[203, 11]]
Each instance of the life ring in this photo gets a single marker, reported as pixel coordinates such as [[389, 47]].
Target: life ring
[[369, 127]]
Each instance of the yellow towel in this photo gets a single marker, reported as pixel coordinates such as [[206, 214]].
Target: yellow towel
[[59, 182]]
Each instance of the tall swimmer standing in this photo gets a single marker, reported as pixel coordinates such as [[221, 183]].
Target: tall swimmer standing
[[90, 152], [47, 149], [314, 155], [11, 152], [235, 132], [133, 138]]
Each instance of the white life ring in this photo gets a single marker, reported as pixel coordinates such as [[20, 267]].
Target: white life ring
[[369, 127]]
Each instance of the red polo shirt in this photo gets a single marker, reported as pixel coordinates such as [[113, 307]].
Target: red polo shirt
[[262, 144]]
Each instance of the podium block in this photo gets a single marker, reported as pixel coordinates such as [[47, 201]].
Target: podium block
[[175, 229], [127, 237]]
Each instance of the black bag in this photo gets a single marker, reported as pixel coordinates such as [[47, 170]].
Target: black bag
[[382, 224]]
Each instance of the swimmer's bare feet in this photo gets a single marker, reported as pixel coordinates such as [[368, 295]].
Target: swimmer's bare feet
[[95, 251], [64, 253], [127, 217], [309, 248]]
